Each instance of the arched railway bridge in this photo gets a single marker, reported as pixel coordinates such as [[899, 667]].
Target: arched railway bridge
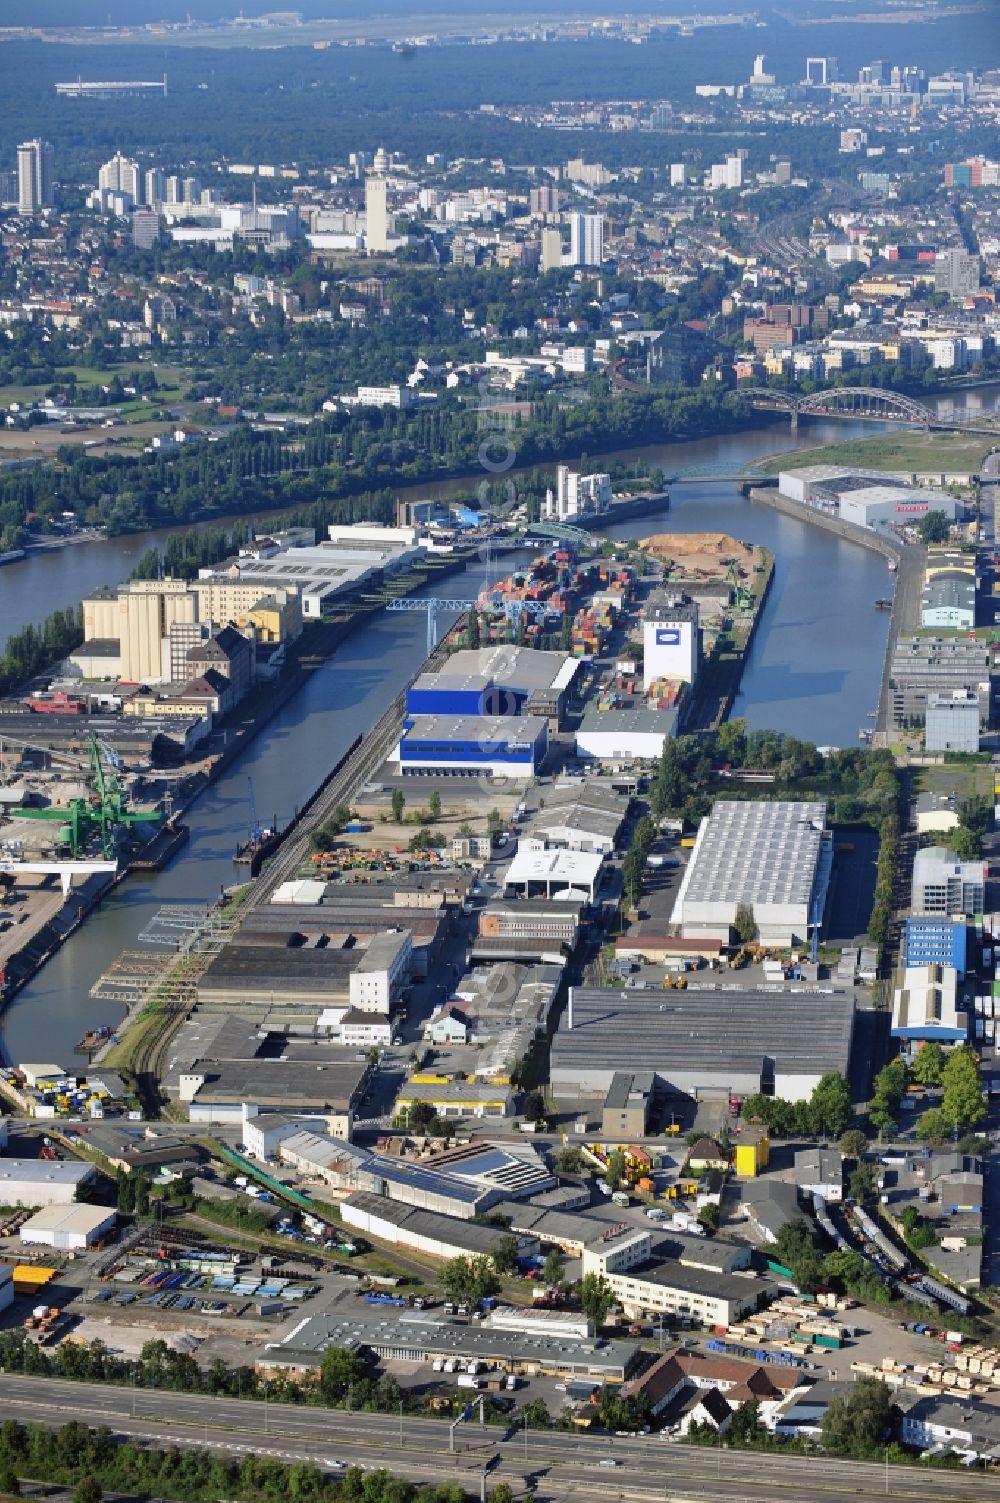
[[844, 401]]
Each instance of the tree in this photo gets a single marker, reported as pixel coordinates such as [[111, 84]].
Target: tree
[[795, 1249], [928, 1065], [862, 1183], [962, 1095], [552, 1268], [505, 1255], [746, 1428], [568, 1161], [88, 1490], [934, 527], [434, 805], [536, 1416], [857, 1424], [534, 1106], [745, 924], [472, 631], [615, 1171], [889, 1089], [976, 813], [853, 1143], [339, 1370], [708, 1217], [966, 845], [830, 1104], [9, 1481], [421, 1114], [398, 805], [470, 1280], [596, 1298]]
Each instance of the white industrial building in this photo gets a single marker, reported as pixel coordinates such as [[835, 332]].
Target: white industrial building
[[925, 1003], [555, 873], [635, 735], [877, 506], [669, 639], [875, 499], [425, 1231], [576, 494], [324, 574], [773, 858], [42, 1182], [944, 885], [952, 722], [68, 1228]]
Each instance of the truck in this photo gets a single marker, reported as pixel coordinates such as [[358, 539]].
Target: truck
[[467, 1380], [621, 1198]]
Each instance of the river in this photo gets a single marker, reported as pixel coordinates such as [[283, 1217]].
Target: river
[[813, 671]]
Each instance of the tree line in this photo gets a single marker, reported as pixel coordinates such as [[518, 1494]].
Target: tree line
[[340, 459], [96, 1462]]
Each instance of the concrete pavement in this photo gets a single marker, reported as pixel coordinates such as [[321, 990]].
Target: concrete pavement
[[909, 580]]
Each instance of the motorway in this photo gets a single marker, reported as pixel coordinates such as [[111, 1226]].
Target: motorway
[[556, 1464]]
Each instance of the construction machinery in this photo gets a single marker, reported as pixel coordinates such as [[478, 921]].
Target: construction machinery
[[97, 818], [742, 597]]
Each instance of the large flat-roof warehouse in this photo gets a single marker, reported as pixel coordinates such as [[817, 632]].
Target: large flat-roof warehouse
[[771, 857], [732, 1038], [421, 1338]]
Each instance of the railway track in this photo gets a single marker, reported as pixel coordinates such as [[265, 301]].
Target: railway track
[[369, 755]]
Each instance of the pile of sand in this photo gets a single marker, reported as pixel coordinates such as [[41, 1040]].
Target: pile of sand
[[697, 552]]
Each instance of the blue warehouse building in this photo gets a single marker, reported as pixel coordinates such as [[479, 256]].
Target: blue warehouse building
[[464, 745], [934, 941], [501, 680]]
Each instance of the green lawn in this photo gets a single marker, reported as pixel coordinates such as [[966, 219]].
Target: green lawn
[[961, 779], [933, 453], [170, 377]]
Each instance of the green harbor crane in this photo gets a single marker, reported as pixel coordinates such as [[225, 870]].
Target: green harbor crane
[[96, 819]]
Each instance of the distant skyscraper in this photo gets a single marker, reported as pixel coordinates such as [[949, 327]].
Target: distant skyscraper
[[821, 70], [956, 273], [552, 250], [376, 214], [155, 187], [145, 228], [121, 175], [545, 200], [586, 239], [678, 174], [8, 188], [734, 172], [34, 177], [175, 190]]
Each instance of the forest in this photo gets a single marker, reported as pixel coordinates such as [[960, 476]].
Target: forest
[[313, 107]]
